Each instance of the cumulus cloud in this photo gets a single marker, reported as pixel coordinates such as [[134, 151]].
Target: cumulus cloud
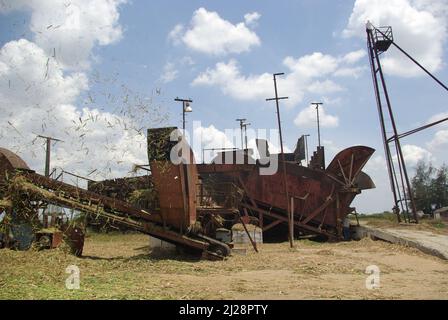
[[70, 30], [37, 97], [440, 139], [233, 83], [413, 154], [28, 77], [170, 72], [354, 56], [309, 74], [419, 26], [252, 18], [439, 116], [43, 82], [441, 136], [210, 34], [307, 118]]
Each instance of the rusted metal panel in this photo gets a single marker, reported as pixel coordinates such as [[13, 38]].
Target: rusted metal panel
[[176, 187], [12, 159], [175, 179], [9, 162], [348, 163]]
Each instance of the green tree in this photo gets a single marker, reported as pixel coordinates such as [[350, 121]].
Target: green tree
[[439, 186], [429, 187]]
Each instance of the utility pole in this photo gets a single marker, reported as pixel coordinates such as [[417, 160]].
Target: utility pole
[[245, 131], [277, 99], [48, 152], [317, 104], [242, 121], [47, 174], [185, 108]]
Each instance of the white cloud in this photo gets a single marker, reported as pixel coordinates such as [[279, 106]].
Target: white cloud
[[37, 97], [354, 56], [324, 87], [29, 77], [438, 117], [441, 136], [39, 92], [252, 18], [307, 118], [309, 74], [413, 154], [170, 72], [440, 139], [176, 33], [233, 83], [419, 26], [71, 29], [350, 72], [210, 34]]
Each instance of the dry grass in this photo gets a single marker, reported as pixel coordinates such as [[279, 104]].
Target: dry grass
[[122, 267]]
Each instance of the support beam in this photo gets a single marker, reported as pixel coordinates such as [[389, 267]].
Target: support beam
[[285, 220], [272, 225]]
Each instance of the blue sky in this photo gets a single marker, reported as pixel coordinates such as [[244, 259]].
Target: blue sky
[[118, 52]]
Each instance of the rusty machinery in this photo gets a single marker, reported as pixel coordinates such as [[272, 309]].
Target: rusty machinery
[[23, 192], [319, 198], [196, 202]]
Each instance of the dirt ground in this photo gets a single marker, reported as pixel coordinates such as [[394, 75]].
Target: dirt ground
[[123, 267]]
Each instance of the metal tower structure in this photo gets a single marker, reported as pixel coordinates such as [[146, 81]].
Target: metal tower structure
[[378, 41]]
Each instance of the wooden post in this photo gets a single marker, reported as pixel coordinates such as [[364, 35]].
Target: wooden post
[[291, 223]]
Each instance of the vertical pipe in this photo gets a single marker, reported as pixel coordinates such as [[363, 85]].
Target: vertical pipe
[[291, 222], [47, 160], [245, 135], [318, 124], [282, 155], [242, 140], [183, 117]]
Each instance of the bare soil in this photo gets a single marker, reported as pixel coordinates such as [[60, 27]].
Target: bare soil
[[124, 267]]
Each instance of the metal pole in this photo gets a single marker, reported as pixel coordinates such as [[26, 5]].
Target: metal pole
[[245, 134], [291, 222], [317, 104], [47, 158], [184, 104], [183, 116], [277, 98], [48, 152], [241, 129]]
